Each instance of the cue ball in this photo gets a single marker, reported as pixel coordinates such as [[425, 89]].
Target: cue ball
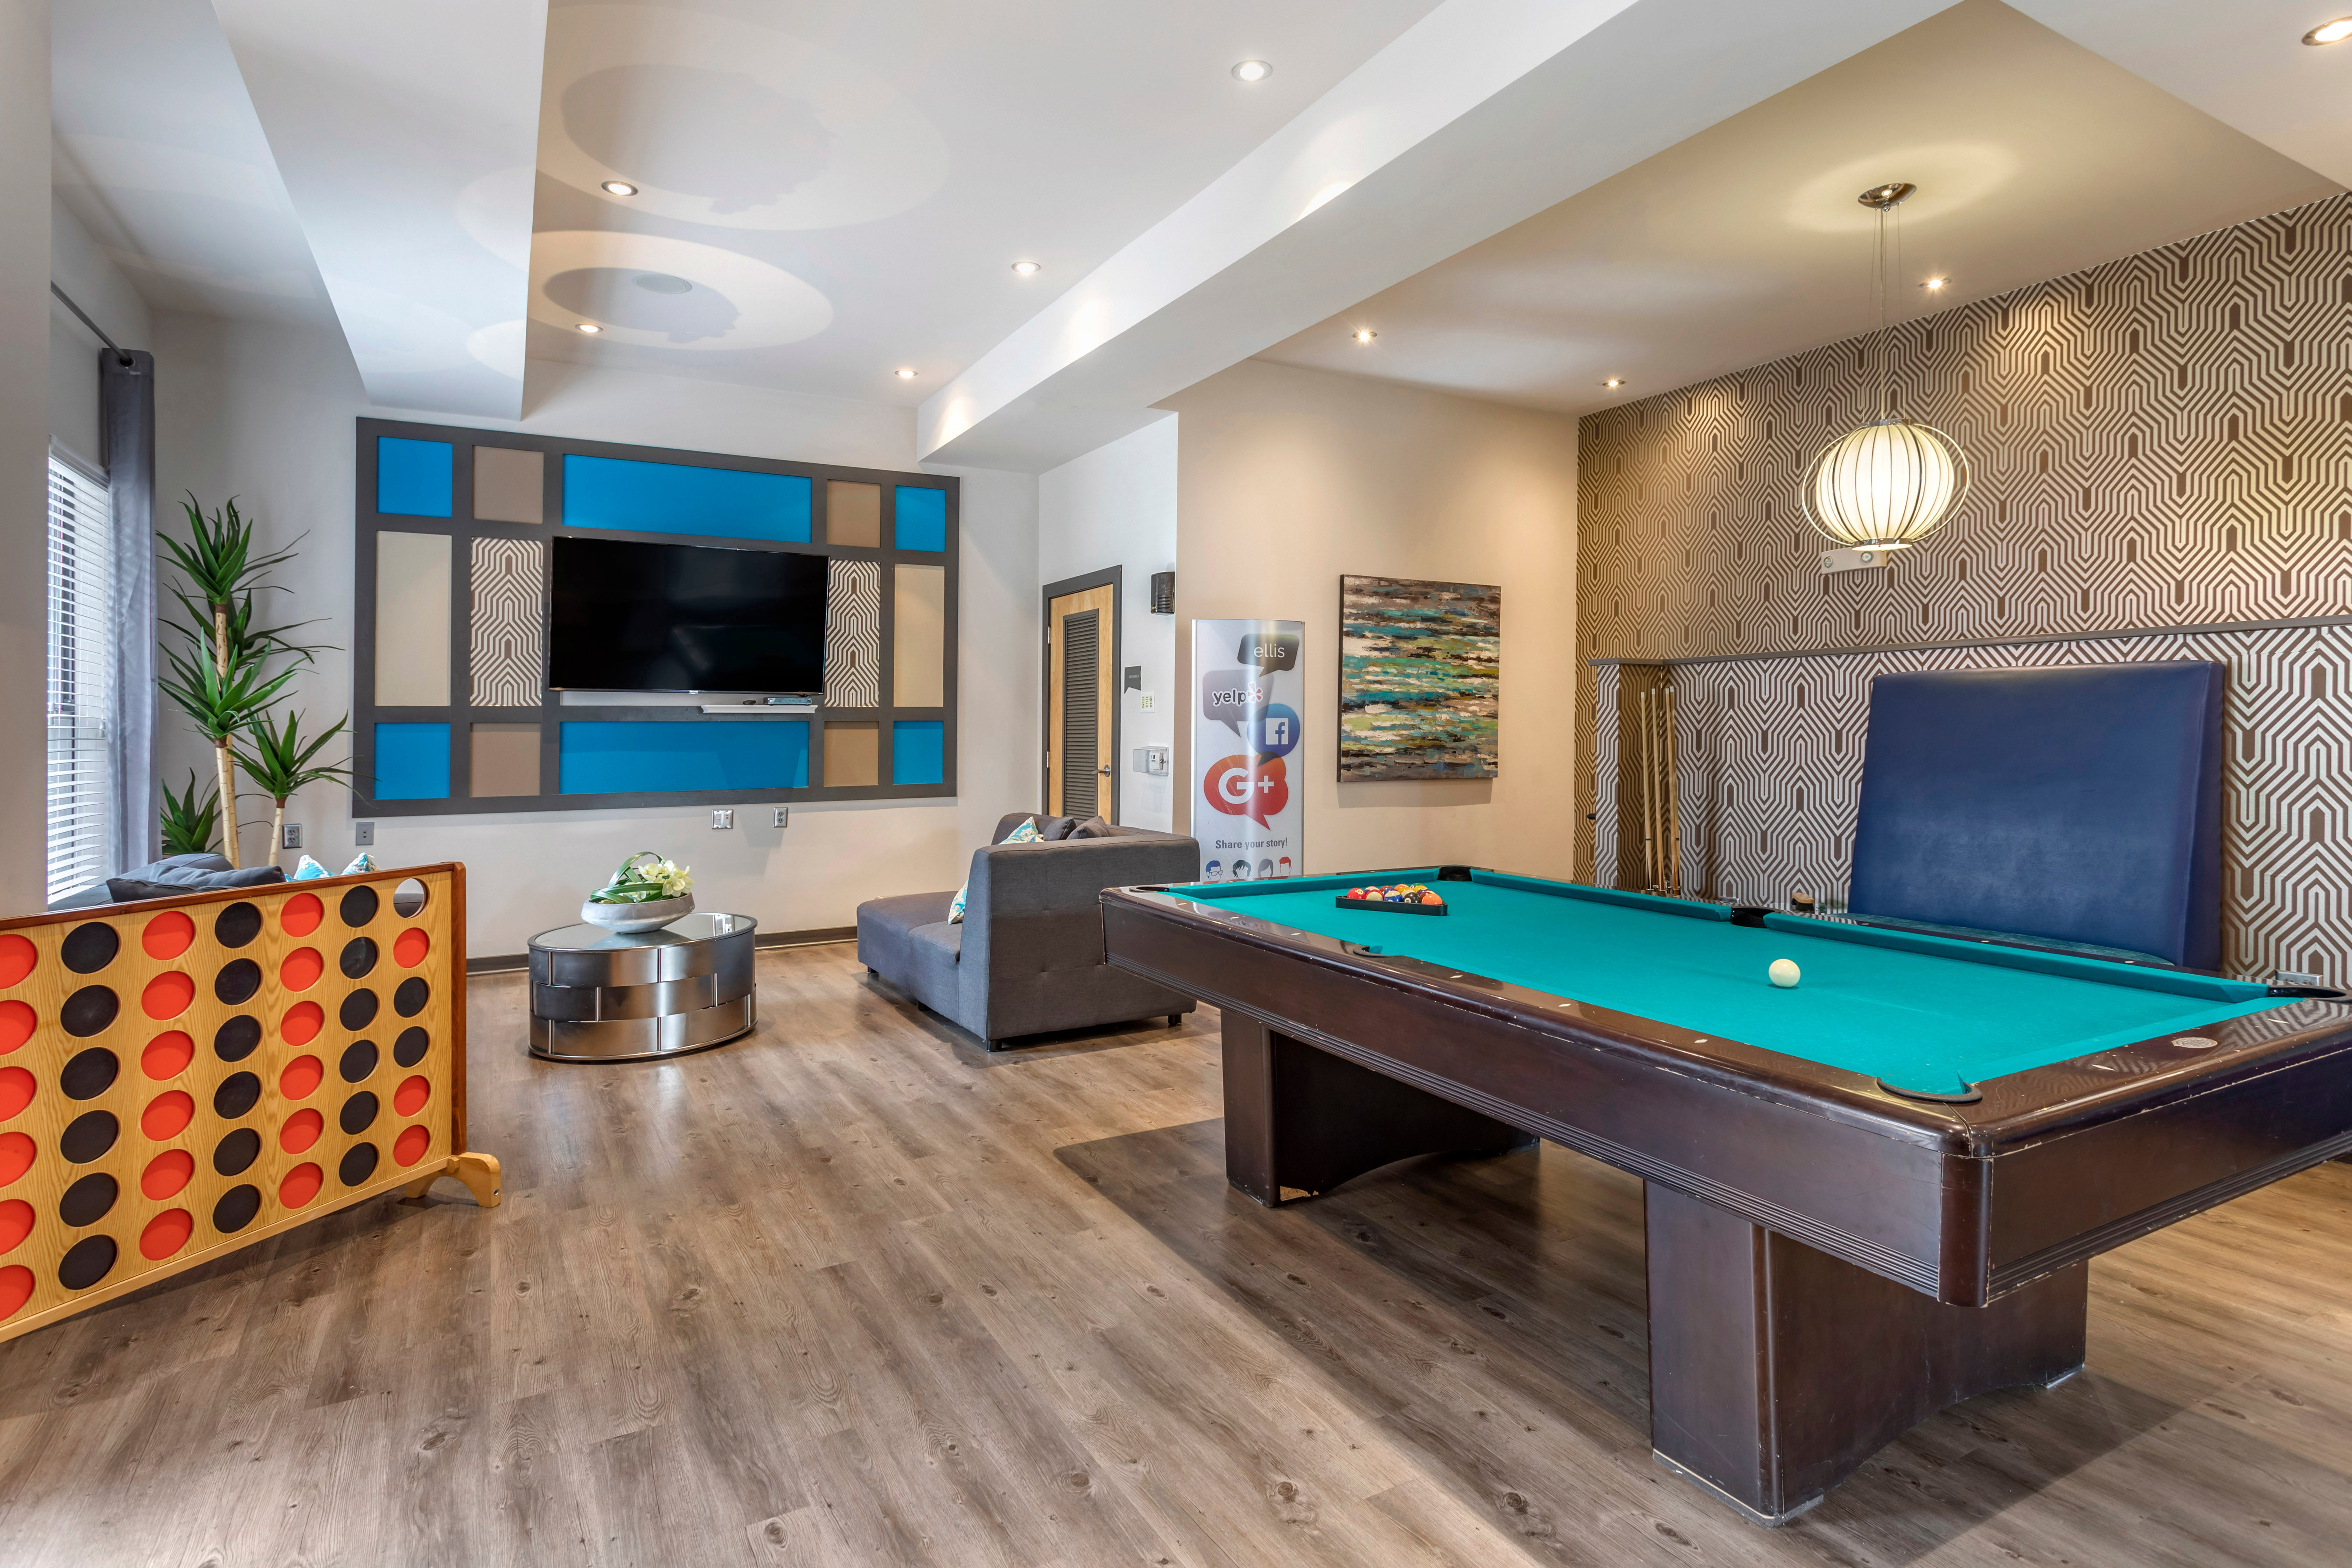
[[1784, 974]]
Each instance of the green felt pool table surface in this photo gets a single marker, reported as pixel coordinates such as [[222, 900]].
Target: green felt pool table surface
[[1919, 1011]]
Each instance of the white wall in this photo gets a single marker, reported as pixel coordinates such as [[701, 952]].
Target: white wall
[[98, 287], [265, 412], [24, 446], [1117, 507], [1288, 479]]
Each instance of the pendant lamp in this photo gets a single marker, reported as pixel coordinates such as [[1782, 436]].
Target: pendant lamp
[[1888, 484]]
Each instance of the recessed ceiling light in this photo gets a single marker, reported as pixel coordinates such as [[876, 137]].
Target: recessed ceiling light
[[1935, 284], [591, 328], [1253, 71], [906, 375], [1026, 269], [2334, 32], [1614, 382], [620, 188], [1365, 334]]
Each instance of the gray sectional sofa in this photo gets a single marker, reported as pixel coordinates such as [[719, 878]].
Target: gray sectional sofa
[[1027, 957]]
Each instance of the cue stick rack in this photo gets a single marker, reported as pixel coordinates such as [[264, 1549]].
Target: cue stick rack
[[1662, 857], [182, 1077]]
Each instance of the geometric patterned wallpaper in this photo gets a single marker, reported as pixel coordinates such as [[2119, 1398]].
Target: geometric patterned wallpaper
[[2160, 442], [853, 634], [504, 630]]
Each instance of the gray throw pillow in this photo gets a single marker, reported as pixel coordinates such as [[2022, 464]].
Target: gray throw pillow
[[1053, 829], [1092, 828], [172, 882]]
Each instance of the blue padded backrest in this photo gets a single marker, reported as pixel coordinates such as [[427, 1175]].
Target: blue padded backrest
[[2080, 804]]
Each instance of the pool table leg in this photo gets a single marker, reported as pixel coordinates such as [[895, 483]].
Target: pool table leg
[[1777, 1370], [1301, 1117]]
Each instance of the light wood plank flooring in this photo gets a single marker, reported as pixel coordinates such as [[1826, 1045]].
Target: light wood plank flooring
[[854, 1291]]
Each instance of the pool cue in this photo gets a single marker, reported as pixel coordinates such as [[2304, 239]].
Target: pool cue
[[1673, 813], [1649, 801]]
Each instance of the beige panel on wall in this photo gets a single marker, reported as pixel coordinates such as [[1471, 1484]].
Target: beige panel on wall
[[506, 759], [853, 513], [853, 755], [509, 486], [918, 643], [412, 620]]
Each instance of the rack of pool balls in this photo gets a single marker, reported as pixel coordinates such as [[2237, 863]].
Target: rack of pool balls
[[1396, 899]]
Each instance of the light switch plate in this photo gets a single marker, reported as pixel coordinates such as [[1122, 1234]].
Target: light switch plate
[[290, 837], [2297, 977], [723, 820], [363, 833], [1145, 702]]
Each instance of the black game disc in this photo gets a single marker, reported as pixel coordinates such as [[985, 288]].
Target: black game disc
[[89, 947], [359, 1060], [238, 1093], [89, 1074], [410, 999], [236, 1208], [89, 1010], [409, 1048], [235, 1040], [87, 1262], [359, 906], [233, 1154], [236, 925], [87, 1200], [359, 957], [359, 1010], [359, 1164], [358, 1112], [89, 1136], [239, 978]]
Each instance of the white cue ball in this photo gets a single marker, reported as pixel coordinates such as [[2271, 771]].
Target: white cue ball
[[1784, 974]]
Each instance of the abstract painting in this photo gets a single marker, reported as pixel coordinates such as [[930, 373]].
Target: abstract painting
[[1420, 675]]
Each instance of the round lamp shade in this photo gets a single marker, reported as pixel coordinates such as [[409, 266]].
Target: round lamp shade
[[1886, 485]]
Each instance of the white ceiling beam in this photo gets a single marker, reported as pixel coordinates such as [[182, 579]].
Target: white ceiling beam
[[1483, 114], [2245, 65], [407, 132]]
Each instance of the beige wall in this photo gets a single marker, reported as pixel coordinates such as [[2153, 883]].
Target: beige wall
[[1287, 479], [24, 446]]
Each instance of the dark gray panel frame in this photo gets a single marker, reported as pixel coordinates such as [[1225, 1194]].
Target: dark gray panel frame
[[1111, 576], [462, 528]]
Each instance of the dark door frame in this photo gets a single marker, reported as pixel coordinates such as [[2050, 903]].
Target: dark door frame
[[1111, 576]]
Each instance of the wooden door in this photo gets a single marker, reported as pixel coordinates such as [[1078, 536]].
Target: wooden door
[[1079, 718]]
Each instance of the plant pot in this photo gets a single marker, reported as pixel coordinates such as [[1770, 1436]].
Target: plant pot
[[635, 919]]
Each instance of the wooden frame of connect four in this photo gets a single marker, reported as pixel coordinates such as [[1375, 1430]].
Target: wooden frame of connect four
[[185, 1077]]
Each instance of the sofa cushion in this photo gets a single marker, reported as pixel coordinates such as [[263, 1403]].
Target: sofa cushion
[[1092, 828], [164, 880], [932, 953], [882, 925]]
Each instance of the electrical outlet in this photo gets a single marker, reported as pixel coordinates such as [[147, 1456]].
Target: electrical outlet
[[780, 817], [723, 820], [363, 833], [2297, 977], [290, 837]]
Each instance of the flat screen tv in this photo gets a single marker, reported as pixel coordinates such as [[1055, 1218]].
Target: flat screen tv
[[686, 617]]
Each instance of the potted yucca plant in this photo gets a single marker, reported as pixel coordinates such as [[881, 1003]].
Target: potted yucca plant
[[281, 762]]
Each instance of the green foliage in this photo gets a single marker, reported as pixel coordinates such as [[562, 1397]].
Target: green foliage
[[280, 760], [190, 826], [247, 643], [217, 558], [635, 884], [220, 705]]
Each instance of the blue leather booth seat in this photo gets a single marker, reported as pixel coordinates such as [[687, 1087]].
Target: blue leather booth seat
[[2081, 804]]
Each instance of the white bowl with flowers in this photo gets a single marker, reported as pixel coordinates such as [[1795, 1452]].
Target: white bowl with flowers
[[646, 893]]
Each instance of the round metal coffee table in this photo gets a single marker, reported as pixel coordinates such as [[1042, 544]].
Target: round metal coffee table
[[596, 997]]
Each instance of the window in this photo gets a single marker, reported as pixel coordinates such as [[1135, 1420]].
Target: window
[[80, 679]]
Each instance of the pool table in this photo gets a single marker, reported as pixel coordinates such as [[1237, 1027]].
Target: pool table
[[1866, 1196]]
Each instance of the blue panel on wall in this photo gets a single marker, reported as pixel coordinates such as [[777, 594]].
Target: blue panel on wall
[[412, 761], [922, 518], [413, 479], [651, 757], [679, 498], [918, 750]]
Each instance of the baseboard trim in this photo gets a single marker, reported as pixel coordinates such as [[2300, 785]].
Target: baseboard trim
[[513, 962]]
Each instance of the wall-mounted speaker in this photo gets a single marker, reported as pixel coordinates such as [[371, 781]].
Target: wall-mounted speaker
[[1164, 592]]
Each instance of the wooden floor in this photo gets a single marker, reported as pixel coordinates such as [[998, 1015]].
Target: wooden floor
[[854, 1291]]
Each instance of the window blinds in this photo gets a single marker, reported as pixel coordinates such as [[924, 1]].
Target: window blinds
[[80, 679]]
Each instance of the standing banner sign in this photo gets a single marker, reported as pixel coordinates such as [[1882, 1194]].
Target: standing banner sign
[[1248, 691]]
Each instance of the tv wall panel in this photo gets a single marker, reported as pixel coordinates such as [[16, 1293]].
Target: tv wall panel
[[452, 713]]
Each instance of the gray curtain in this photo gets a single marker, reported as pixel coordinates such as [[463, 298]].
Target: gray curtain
[[127, 415]]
